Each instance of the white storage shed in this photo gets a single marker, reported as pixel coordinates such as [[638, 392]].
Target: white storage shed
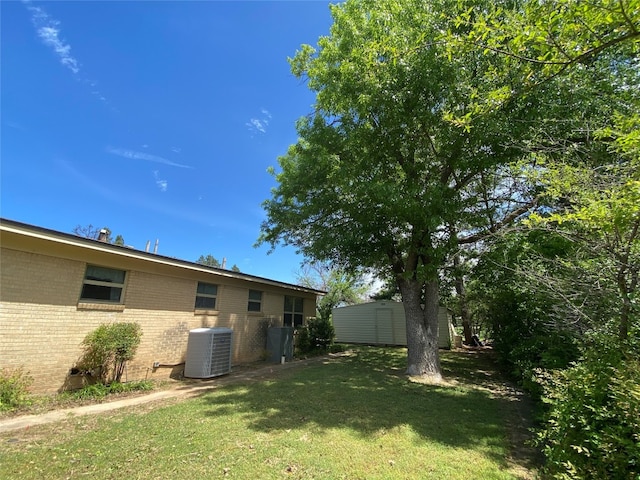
[[381, 323]]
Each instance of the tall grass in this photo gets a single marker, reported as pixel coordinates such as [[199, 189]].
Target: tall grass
[[354, 418]]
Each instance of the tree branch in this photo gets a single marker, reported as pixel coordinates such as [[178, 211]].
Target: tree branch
[[497, 226]]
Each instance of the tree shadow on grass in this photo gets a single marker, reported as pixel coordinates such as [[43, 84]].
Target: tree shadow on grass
[[369, 394]]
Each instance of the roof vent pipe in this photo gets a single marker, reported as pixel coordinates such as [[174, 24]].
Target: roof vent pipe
[[102, 236]]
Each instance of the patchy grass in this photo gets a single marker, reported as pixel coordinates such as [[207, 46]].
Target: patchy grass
[[356, 417]]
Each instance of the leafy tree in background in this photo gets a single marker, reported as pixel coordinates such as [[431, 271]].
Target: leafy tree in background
[[211, 261], [541, 41], [343, 288], [208, 260], [590, 177], [384, 175], [524, 289]]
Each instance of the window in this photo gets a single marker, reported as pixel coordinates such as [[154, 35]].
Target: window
[[255, 301], [206, 295], [103, 285], [293, 311]]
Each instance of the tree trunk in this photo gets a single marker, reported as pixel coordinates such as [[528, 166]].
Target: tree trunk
[[464, 310], [422, 328]]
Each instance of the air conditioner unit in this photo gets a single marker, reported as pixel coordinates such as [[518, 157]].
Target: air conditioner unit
[[208, 352]]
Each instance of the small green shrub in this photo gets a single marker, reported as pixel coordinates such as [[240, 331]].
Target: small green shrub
[[315, 337], [142, 385], [99, 390], [592, 421], [14, 388], [322, 332], [303, 340], [94, 391], [109, 347]]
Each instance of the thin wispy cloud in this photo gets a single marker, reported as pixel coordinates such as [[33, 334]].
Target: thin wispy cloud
[[135, 155], [161, 184], [13, 124], [259, 124], [48, 29], [123, 197], [256, 124]]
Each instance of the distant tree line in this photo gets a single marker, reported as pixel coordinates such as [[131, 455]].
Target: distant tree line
[[211, 261]]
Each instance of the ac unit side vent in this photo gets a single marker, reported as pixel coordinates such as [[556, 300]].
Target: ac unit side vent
[[209, 352]]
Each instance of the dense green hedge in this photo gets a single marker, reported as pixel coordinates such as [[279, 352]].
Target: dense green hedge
[[591, 427]]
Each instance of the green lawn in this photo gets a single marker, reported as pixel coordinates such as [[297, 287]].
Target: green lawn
[[356, 417]]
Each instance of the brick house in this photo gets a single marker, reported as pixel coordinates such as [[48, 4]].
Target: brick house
[[57, 287]]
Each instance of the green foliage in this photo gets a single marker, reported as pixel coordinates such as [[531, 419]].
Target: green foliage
[[208, 260], [322, 332], [341, 287], [540, 41], [304, 344], [138, 386], [109, 347], [211, 261], [590, 185], [525, 338], [98, 390], [383, 176], [592, 423], [88, 392], [14, 388], [519, 289], [316, 336]]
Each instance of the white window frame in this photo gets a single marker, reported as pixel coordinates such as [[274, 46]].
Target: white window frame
[[293, 312], [206, 295], [102, 283], [255, 301]]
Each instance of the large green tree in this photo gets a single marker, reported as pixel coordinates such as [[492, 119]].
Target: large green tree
[[385, 174], [591, 172]]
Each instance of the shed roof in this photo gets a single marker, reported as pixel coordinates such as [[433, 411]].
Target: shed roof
[[18, 228]]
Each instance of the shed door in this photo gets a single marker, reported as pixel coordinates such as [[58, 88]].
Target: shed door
[[384, 326]]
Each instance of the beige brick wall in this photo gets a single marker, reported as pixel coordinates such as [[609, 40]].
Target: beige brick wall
[[42, 325]]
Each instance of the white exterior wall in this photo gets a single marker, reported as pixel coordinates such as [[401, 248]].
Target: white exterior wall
[[381, 323]]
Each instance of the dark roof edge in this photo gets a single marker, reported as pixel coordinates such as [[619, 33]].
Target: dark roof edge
[[118, 249]]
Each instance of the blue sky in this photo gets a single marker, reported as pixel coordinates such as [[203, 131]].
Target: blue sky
[[157, 119]]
